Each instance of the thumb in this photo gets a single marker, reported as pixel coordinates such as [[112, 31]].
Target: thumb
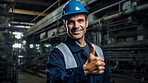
[[92, 53]]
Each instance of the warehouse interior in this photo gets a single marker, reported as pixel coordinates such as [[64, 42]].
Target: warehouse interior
[[29, 29]]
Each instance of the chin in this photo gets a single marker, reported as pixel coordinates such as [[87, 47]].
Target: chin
[[77, 38]]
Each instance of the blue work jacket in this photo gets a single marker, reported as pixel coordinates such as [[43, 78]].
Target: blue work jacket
[[57, 72]]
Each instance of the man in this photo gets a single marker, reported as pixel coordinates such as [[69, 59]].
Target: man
[[76, 60]]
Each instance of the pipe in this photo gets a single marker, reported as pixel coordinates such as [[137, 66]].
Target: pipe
[[45, 10], [127, 12], [38, 32], [108, 24], [102, 9]]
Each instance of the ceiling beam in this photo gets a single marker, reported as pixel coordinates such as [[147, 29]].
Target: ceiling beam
[[33, 2], [27, 12], [25, 18]]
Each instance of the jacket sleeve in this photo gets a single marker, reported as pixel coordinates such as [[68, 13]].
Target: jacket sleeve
[[57, 73]]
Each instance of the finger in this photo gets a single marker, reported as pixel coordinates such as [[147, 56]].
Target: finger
[[101, 71], [101, 67], [92, 53], [100, 63], [100, 59], [96, 72], [93, 50]]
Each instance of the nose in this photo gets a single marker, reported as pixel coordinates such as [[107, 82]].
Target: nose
[[76, 24]]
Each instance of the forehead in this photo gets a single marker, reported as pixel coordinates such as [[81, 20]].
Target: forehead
[[76, 16]]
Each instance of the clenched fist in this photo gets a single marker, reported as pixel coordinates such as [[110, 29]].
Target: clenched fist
[[94, 65]]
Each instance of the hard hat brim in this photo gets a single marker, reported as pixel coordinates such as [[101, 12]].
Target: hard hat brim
[[71, 13]]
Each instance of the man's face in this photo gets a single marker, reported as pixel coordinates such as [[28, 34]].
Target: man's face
[[76, 26]]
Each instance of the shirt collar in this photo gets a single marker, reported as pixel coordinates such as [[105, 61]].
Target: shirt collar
[[73, 46]]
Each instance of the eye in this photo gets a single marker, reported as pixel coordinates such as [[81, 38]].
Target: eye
[[81, 20], [70, 22]]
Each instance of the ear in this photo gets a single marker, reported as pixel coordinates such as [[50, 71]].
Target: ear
[[87, 23], [65, 26]]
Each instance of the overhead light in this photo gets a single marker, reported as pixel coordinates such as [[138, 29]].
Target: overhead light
[[20, 26], [20, 56], [9, 24], [25, 23], [16, 45], [18, 35]]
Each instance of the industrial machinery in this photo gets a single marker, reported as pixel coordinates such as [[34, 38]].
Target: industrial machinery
[[121, 30], [8, 58], [119, 27]]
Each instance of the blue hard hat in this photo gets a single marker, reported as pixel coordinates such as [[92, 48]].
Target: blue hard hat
[[73, 7]]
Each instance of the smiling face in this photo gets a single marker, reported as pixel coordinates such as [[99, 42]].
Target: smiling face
[[76, 26]]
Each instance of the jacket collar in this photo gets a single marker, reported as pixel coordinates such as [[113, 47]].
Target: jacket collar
[[73, 46]]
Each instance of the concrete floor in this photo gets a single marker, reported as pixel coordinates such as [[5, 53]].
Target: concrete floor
[[24, 77]]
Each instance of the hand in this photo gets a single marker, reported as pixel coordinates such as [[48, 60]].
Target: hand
[[94, 65]]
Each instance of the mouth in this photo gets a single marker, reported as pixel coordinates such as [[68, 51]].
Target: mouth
[[76, 29], [76, 32]]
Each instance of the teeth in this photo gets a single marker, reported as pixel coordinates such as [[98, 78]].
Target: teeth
[[76, 30]]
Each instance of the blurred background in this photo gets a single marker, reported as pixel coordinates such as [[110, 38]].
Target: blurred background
[[29, 29]]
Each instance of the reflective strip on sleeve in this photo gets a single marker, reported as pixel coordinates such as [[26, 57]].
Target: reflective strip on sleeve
[[99, 51], [68, 56]]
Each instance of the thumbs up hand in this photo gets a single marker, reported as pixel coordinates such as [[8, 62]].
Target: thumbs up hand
[[94, 65]]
